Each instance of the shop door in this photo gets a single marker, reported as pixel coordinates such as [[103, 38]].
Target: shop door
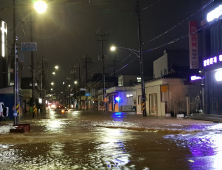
[[153, 103]]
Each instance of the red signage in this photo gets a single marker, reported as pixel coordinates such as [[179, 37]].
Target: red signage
[[193, 45]]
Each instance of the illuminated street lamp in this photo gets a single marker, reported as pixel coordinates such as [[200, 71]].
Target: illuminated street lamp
[[51, 89], [53, 73], [139, 55], [113, 48], [75, 82], [52, 83], [40, 6], [56, 67]]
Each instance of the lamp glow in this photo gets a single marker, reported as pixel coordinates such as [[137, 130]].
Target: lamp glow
[[117, 99], [40, 6], [53, 73], [216, 13], [4, 33], [218, 75], [113, 48], [56, 67]]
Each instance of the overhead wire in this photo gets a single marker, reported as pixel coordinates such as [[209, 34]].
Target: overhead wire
[[178, 24], [176, 39], [150, 5]]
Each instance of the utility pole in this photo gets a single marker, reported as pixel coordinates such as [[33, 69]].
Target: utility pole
[[33, 66], [16, 101], [87, 60], [102, 35], [141, 61], [79, 88], [74, 79]]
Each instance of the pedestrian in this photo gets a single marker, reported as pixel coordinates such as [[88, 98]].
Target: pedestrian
[[77, 105]]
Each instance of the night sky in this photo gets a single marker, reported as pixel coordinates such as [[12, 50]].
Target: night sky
[[66, 32]]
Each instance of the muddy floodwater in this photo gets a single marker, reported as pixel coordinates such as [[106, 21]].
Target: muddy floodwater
[[104, 140]]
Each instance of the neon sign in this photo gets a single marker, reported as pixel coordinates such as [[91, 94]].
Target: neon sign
[[212, 60], [4, 34], [216, 13], [195, 78]]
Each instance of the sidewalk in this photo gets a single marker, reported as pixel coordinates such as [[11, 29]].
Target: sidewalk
[[207, 117]]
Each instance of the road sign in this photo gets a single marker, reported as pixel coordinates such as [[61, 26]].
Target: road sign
[[87, 94], [28, 46], [105, 100], [82, 89], [21, 57]]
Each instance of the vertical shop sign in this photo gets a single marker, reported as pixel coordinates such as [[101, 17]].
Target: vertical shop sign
[[193, 45]]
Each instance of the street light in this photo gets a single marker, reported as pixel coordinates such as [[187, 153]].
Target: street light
[[53, 73], [75, 82], [113, 48], [51, 89], [40, 6], [52, 83], [139, 55], [56, 67]]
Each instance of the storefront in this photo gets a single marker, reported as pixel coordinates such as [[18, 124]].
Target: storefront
[[212, 60], [213, 85]]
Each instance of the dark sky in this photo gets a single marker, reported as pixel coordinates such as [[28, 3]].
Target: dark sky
[[66, 32]]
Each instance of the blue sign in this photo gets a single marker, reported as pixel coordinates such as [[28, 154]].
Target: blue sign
[[87, 94], [28, 46]]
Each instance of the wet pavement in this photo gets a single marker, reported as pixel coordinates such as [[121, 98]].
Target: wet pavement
[[105, 140]]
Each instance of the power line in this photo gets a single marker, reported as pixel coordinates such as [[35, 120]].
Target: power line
[[150, 5], [176, 39], [178, 24]]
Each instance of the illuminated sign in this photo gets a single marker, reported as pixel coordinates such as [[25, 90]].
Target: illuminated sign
[[28, 46], [216, 13], [218, 75], [3, 38], [212, 60], [195, 78], [117, 99]]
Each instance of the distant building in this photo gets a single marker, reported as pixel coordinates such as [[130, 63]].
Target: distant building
[[176, 57]]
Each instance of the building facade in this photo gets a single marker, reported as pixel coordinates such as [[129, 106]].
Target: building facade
[[176, 57], [212, 58], [169, 95]]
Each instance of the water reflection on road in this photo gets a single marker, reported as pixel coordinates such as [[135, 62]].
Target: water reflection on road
[[98, 140]]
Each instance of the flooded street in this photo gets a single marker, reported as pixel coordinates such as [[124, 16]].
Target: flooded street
[[99, 140]]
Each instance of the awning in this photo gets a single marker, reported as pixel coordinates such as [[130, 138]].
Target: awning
[[95, 99]]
